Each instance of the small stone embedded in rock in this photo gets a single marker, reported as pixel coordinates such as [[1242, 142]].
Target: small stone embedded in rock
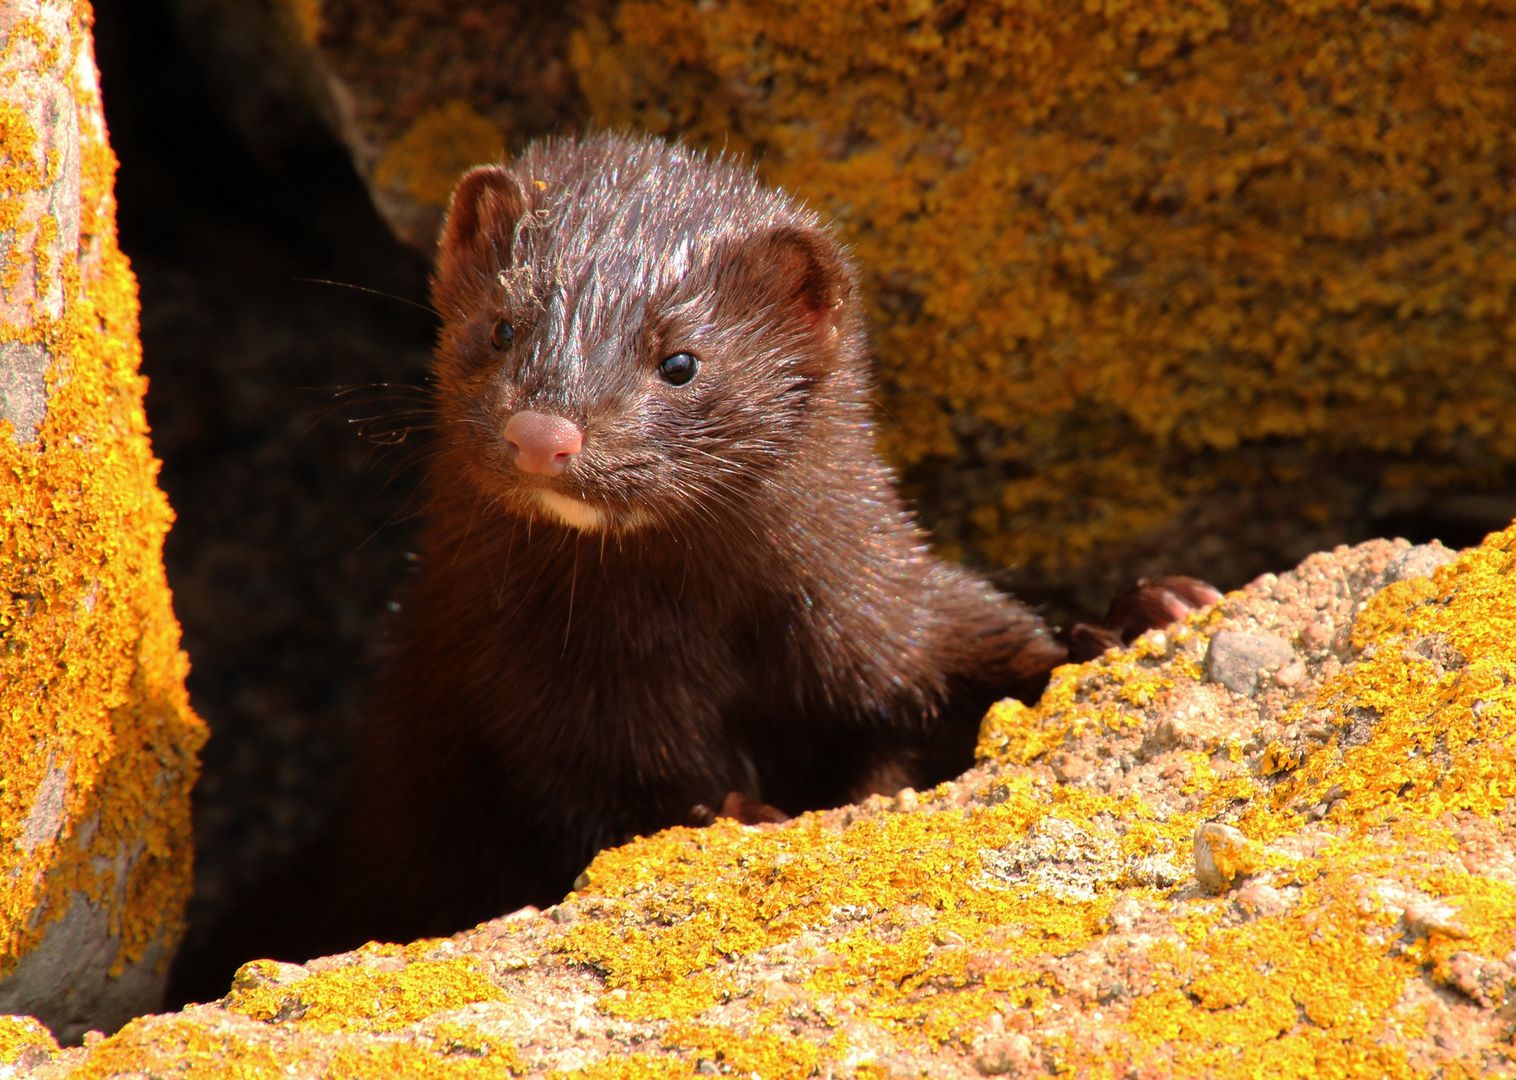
[[1006, 1055], [1439, 650], [1235, 658], [1427, 917], [1222, 856], [1255, 900], [257, 973], [1484, 981], [1416, 562], [1291, 674], [1072, 768], [1154, 871], [1318, 634]]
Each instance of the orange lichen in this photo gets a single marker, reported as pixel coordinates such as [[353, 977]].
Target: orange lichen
[[198, 1054], [18, 1034], [91, 674], [1320, 984], [366, 998], [1116, 242], [927, 927], [427, 160], [460, 1039]]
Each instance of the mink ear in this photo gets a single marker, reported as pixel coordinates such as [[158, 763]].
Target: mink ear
[[481, 218], [798, 273]]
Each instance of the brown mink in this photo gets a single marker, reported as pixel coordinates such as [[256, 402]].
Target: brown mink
[[663, 568]]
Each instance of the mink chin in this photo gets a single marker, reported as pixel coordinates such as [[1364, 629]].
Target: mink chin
[[662, 567]]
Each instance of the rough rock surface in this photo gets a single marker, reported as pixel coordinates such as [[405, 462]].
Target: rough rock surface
[[1139, 272], [97, 739], [1148, 874]]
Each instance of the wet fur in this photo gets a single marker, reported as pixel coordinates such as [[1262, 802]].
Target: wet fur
[[758, 612]]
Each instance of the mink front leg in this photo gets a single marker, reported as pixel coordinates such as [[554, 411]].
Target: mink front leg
[[988, 647]]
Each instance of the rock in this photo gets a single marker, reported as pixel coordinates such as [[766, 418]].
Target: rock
[[1235, 659], [1222, 856], [1416, 562], [1012, 930], [97, 749]]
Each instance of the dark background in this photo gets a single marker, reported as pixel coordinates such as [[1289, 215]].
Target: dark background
[[292, 509]]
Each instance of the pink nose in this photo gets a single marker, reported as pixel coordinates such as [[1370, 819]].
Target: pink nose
[[542, 443]]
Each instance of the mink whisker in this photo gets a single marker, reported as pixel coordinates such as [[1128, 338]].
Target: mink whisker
[[372, 292]]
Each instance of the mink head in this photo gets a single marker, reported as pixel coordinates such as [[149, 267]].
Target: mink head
[[635, 335]]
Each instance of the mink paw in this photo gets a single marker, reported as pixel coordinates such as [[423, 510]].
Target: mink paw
[[741, 808], [1147, 605]]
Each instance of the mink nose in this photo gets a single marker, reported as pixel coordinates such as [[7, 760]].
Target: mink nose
[[542, 443]]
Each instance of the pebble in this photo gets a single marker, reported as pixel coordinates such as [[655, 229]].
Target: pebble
[[1416, 562], [1235, 658], [1482, 980], [1222, 856], [1002, 1055]]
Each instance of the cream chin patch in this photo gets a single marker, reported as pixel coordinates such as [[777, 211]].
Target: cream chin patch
[[572, 512]]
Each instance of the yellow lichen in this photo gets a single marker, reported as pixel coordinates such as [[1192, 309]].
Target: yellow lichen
[[198, 1054], [382, 1061], [770, 1054], [427, 160], [366, 998], [454, 1038], [928, 927], [91, 674], [18, 1034], [799, 878], [1313, 988], [630, 1067], [1140, 244]]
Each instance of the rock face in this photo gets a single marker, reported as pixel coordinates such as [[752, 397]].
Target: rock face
[[97, 741], [1149, 873], [1139, 273]]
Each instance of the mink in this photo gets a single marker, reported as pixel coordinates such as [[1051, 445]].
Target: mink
[[663, 568]]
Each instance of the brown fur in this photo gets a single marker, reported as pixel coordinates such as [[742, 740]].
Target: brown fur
[[759, 614]]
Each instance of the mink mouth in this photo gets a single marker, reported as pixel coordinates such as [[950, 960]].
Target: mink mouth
[[567, 510], [589, 497]]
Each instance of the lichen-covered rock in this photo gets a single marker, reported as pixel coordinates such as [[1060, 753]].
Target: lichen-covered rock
[[97, 740], [1139, 272], [1356, 913]]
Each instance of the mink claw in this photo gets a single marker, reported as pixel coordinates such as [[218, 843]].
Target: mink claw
[[1154, 604], [1148, 605], [749, 811], [741, 808]]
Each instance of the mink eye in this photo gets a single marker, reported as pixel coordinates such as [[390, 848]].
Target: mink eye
[[679, 368], [502, 334]]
